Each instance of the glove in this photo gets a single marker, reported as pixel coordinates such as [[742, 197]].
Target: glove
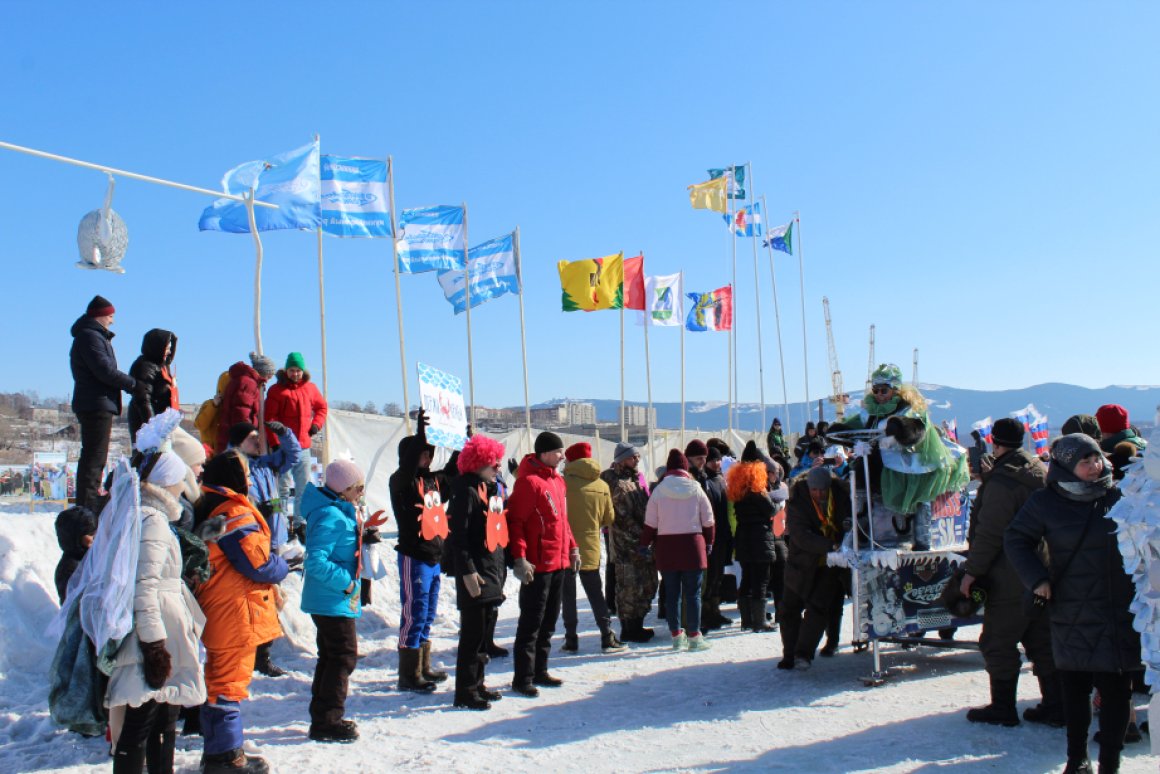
[[294, 563], [371, 536], [474, 584], [523, 570], [470, 432], [574, 559], [513, 465], [421, 421], [277, 428], [158, 665], [314, 430]]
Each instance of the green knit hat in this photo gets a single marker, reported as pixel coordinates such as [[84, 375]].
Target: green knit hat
[[295, 360], [887, 373]]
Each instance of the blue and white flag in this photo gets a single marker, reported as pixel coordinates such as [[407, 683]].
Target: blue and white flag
[[492, 266], [289, 180], [781, 238], [747, 221], [431, 239], [354, 197]]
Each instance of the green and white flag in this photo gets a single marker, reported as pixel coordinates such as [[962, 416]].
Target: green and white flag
[[663, 297], [736, 177]]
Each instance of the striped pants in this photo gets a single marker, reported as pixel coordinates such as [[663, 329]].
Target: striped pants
[[419, 593]]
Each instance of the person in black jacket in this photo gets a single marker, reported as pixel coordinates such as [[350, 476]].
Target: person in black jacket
[[477, 541], [97, 392], [753, 543], [722, 556], [151, 370], [75, 528], [1086, 592], [413, 487]]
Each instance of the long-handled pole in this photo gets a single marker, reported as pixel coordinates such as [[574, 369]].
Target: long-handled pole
[[757, 304], [523, 336], [682, 368], [623, 435], [262, 441], [733, 300], [648, 417], [777, 319], [398, 293], [802, 282], [322, 323], [467, 302]]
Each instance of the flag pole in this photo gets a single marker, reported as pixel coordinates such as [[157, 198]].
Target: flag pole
[[733, 299], [322, 321], [757, 301], [523, 336], [680, 298], [467, 302], [777, 318], [262, 442], [802, 283], [398, 292], [623, 436], [647, 369]]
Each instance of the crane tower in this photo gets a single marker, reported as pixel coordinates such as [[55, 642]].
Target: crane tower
[[838, 397]]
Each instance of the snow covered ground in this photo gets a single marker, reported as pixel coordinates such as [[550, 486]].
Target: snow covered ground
[[651, 710]]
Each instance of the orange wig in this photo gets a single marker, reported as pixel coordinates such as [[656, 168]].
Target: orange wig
[[746, 477]]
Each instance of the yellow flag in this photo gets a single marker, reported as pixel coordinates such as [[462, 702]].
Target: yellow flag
[[592, 283], [710, 195]]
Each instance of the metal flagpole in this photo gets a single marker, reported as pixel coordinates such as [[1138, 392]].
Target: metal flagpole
[[733, 298], [647, 369], [523, 335], [757, 301], [398, 292], [777, 318], [623, 437], [467, 302], [322, 321], [262, 440], [681, 299], [802, 283]]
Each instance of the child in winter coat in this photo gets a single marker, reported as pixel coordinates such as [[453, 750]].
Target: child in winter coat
[[75, 528]]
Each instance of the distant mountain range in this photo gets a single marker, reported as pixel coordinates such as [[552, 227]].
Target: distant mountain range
[[1056, 401]]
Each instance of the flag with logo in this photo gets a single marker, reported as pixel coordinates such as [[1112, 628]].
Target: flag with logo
[[712, 311], [431, 239], [289, 180], [354, 197], [492, 267], [983, 428], [591, 284], [736, 179], [634, 296], [709, 195], [663, 298], [781, 238], [746, 222]]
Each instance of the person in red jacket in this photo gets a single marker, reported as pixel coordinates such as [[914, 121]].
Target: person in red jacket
[[296, 402], [541, 546], [243, 396]]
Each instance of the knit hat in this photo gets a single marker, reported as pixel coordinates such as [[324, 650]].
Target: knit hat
[[1083, 423], [166, 470], [100, 307], [240, 432], [547, 442], [578, 451], [624, 450], [751, 453], [1112, 418], [191, 450], [888, 374], [263, 365], [696, 448], [341, 475], [1068, 450], [714, 454], [677, 461], [810, 426], [295, 360], [1008, 432], [818, 478]]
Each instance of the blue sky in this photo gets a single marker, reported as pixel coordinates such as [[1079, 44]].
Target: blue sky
[[978, 180]]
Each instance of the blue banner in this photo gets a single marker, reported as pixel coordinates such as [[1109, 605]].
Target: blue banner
[[354, 197], [431, 239], [493, 274], [289, 180]]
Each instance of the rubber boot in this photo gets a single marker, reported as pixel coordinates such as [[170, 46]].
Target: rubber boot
[[434, 675], [410, 678], [1001, 711], [1049, 711]]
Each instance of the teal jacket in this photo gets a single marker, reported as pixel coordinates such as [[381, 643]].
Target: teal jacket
[[331, 555]]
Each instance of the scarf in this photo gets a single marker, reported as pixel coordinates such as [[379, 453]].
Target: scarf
[[876, 409]]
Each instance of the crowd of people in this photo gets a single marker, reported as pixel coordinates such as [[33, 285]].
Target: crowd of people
[[220, 523]]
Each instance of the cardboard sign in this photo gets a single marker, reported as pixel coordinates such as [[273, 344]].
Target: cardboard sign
[[441, 396]]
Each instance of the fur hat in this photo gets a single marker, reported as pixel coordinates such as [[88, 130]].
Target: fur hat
[[624, 450], [100, 307], [677, 461], [578, 451], [888, 374], [1112, 418], [479, 452], [263, 365], [1083, 423], [1008, 432], [548, 442], [696, 448], [341, 475]]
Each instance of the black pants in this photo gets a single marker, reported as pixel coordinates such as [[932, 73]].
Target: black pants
[[1004, 627], [805, 618], [96, 427], [474, 624], [609, 577], [489, 632], [755, 579], [777, 575], [834, 624], [539, 609], [154, 727], [590, 580], [1115, 710], [337, 656]]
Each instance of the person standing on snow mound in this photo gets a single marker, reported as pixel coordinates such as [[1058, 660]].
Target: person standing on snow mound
[[913, 464], [636, 575], [296, 402], [97, 388], [152, 371], [541, 546], [417, 499], [243, 396]]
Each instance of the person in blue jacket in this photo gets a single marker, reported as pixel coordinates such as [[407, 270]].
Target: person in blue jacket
[[330, 594]]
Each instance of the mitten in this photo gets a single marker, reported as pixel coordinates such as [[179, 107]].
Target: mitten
[[473, 583], [157, 665], [574, 559], [524, 570], [314, 430]]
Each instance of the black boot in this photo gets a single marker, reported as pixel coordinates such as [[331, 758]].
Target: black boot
[[434, 675], [757, 619], [1001, 711], [571, 643], [130, 761], [1050, 710], [1078, 767], [472, 701], [743, 606], [234, 762], [264, 665], [343, 732], [632, 630], [410, 678]]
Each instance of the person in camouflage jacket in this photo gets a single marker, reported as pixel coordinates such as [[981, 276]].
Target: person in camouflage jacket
[[636, 574]]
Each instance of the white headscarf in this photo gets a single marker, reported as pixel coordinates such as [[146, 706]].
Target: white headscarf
[[167, 470]]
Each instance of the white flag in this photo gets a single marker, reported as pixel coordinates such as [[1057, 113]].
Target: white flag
[[663, 297]]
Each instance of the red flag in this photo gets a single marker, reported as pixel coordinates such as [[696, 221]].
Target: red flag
[[634, 283]]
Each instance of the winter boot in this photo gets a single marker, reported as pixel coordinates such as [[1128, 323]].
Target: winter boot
[[1050, 710], [744, 605], [472, 701], [1001, 711], [263, 664], [609, 643], [487, 693], [545, 680], [571, 643], [234, 762], [410, 678], [757, 619], [632, 630], [131, 761], [495, 651], [434, 675], [1078, 767], [344, 731]]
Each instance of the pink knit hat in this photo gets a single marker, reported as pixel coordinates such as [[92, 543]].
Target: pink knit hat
[[341, 475]]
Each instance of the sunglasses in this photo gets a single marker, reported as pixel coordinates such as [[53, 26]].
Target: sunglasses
[[882, 389]]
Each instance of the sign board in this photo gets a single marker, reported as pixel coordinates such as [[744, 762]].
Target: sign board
[[441, 396], [50, 477]]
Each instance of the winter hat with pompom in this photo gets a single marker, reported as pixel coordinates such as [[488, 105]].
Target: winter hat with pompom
[[263, 365]]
